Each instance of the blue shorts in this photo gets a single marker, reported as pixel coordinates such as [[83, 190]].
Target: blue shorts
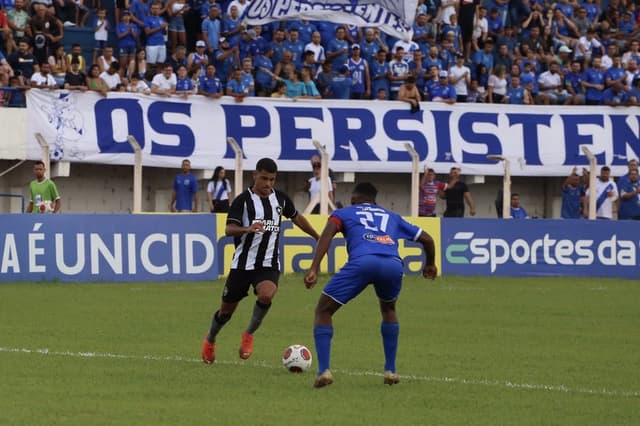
[[177, 24], [384, 272], [127, 51]]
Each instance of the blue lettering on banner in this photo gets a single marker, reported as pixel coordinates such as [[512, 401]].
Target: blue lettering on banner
[[573, 139], [291, 133], [540, 248], [104, 109], [530, 123], [156, 119], [360, 137], [233, 118], [623, 136], [115, 248], [135, 121], [345, 136], [390, 125], [465, 126]]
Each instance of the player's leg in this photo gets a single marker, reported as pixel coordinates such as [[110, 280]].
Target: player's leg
[[343, 286], [390, 330], [265, 288], [387, 284], [235, 289]]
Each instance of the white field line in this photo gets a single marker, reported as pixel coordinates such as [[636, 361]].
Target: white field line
[[261, 364]]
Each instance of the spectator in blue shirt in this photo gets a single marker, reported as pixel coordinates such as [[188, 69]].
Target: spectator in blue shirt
[[211, 28], [236, 87], [340, 86], [184, 84], [593, 83], [379, 69], [337, 51], [185, 191], [517, 211], [616, 95], [295, 46], [444, 91], [208, 84], [572, 194], [573, 84], [629, 190]]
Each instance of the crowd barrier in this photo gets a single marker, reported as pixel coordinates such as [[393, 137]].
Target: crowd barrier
[[165, 247]]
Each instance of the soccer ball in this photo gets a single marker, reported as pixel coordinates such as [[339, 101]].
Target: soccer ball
[[57, 154], [296, 358]]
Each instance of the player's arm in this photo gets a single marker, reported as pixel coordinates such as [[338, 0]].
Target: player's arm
[[172, 202], [469, 200], [29, 207], [430, 270], [57, 206], [302, 223], [331, 229]]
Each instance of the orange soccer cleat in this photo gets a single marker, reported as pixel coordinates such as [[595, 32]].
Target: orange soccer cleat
[[246, 347], [208, 352]]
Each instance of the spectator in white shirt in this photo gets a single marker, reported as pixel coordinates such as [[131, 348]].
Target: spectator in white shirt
[[164, 83], [551, 87], [112, 77], [606, 194], [316, 48], [43, 78], [460, 77]]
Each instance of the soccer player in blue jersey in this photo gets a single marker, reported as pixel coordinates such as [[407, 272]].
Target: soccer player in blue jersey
[[372, 233]]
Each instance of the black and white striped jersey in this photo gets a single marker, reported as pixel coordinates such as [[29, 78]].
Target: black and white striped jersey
[[259, 250]]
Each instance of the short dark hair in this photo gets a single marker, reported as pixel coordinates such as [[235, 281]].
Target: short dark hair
[[605, 169], [266, 165], [366, 189], [38, 163]]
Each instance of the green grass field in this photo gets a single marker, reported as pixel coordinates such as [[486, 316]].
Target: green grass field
[[481, 351]]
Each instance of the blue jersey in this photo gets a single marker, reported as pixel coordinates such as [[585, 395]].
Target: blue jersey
[[446, 91], [379, 70], [128, 40], [629, 208], [574, 81], [357, 70], [519, 213], [185, 186], [516, 95], [340, 87], [593, 76], [184, 84], [336, 45], [371, 229], [571, 203], [296, 49], [153, 22], [210, 84]]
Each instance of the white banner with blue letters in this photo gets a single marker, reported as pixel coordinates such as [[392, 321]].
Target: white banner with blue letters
[[360, 136], [391, 16]]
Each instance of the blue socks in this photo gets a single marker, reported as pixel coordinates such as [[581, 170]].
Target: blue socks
[[390, 331], [322, 335]]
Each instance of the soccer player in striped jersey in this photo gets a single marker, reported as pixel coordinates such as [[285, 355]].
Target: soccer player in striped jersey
[[372, 234], [254, 220]]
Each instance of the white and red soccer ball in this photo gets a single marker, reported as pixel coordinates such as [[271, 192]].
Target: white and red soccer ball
[[296, 358]]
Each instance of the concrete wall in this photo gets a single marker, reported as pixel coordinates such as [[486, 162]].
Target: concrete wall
[[97, 188]]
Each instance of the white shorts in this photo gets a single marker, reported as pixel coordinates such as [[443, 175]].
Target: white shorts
[[156, 54]]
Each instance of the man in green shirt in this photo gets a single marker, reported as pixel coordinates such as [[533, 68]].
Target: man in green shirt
[[44, 194]]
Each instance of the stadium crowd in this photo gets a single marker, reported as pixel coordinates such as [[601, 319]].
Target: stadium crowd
[[567, 52]]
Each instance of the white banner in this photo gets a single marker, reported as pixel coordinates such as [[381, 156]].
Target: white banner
[[391, 16], [360, 136]]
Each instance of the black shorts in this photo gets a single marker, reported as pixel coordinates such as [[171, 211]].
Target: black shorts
[[238, 282]]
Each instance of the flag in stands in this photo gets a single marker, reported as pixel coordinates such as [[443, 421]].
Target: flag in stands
[[394, 17]]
